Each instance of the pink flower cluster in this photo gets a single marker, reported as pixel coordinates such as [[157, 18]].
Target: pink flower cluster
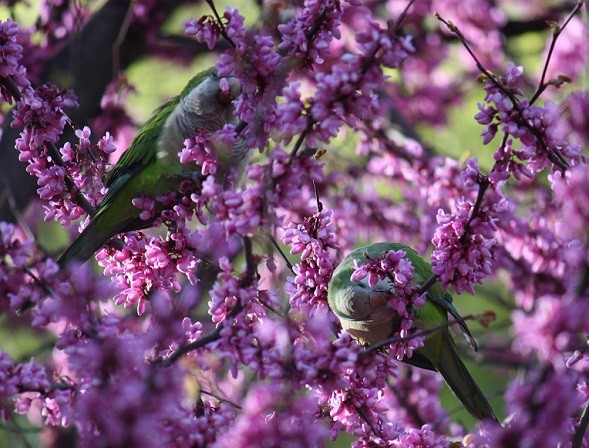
[[86, 164], [313, 239], [291, 179], [236, 212], [323, 15], [465, 239], [207, 29], [68, 304], [464, 246], [346, 94], [346, 380], [201, 426], [14, 257], [551, 329], [40, 114], [198, 149], [359, 407], [537, 128], [10, 54], [273, 414], [422, 437], [542, 408], [147, 264], [548, 330], [572, 196], [419, 403], [26, 281], [113, 375], [11, 51], [28, 383]]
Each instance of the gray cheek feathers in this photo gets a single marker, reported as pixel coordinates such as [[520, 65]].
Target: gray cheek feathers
[[363, 311], [352, 303], [201, 108], [208, 99]]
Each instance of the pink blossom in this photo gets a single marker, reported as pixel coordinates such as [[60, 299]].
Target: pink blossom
[[550, 329], [10, 51], [539, 417], [9, 379], [422, 437], [312, 239], [464, 244], [271, 413], [294, 38], [571, 193]]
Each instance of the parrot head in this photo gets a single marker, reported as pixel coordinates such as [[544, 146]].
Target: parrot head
[[362, 309], [207, 100], [205, 104]]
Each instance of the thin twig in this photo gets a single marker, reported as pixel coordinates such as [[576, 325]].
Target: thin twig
[[484, 183], [557, 32], [116, 46], [219, 399], [310, 34], [317, 199], [301, 138], [420, 333], [11, 87], [211, 3], [251, 276], [582, 428], [279, 249], [402, 16], [44, 286], [362, 413], [428, 284], [551, 154]]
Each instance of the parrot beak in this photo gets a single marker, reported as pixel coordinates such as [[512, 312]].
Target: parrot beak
[[229, 90]]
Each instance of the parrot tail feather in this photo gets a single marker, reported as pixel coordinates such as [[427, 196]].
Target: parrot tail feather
[[462, 383], [87, 243]]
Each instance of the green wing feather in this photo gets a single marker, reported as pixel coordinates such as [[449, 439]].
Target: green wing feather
[[447, 361], [141, 152], [116, 214]]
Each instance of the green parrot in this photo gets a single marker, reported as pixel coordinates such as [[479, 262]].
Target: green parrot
[[151, 165], [364, 313]]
